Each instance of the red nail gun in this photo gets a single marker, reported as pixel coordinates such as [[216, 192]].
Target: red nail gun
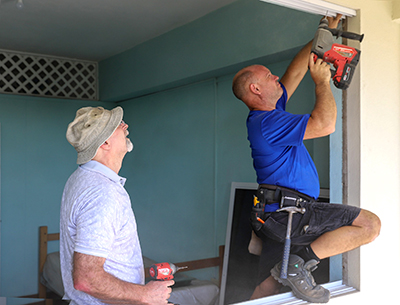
[[343, 58]]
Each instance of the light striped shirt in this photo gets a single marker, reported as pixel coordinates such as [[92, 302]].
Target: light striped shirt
[[97, 219]]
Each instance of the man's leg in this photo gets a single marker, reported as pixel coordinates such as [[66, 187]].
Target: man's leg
[[268, 287], [271, 253], [364, 229], [354, 233]]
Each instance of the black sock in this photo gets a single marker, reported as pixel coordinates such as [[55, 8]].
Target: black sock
[[307, 254]]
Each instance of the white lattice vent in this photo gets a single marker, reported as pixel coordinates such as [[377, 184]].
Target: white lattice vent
[[40, 75]]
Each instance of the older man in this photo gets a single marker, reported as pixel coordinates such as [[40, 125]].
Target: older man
[[101, 258], [287, 176]]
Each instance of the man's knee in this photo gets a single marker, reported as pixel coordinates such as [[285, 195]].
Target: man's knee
[[370, 223], [376, 226]]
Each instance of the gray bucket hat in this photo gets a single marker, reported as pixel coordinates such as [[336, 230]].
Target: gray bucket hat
[[91, 127]]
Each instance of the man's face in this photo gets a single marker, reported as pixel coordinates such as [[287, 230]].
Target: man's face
[[129, 144], [268, 83], [120, 142]]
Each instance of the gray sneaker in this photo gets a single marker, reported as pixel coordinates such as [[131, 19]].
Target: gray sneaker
[[301, 281]]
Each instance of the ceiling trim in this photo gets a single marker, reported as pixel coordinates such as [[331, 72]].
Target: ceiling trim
[[318, 7]]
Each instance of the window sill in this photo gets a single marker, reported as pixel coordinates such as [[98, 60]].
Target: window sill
[[336, 288]]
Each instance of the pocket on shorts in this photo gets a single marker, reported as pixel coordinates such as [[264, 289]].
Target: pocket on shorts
[[274, 229], [326, 218], [315, 225]]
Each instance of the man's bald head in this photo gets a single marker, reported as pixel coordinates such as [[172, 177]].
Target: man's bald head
[[242, 80]]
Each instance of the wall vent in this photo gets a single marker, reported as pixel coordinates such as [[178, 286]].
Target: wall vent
[[47, 76]]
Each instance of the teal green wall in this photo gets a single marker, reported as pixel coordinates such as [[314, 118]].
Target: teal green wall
[[188, 130], [217, 44], [36, 160], [190, 144]]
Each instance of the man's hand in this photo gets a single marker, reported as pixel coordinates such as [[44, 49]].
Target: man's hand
[[298, 67], [320, 70], [90, 277], [323, 117], [158, 292], [333, 22]]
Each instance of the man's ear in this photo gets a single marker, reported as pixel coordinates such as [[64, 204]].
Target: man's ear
[[106, 145], [254, 89]]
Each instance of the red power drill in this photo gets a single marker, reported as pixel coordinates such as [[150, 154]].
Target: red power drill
[[163, 271], [343, 58]]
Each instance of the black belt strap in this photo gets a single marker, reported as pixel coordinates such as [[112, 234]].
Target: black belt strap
[[281, 194]]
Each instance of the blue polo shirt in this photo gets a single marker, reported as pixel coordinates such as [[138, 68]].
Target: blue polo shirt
[[279, 155]]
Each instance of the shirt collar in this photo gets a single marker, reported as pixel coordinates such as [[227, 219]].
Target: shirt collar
[[106, 171]]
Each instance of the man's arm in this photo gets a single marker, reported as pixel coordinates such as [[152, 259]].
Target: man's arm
[[299, 65], [296, 70], [89, 277], [323, 117]]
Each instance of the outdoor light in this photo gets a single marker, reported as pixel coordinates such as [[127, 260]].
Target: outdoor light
[[20, 4]]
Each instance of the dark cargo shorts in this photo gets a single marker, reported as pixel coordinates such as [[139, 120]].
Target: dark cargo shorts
[[319, 218]]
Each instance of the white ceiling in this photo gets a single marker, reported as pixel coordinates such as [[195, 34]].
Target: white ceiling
[[93, 29]]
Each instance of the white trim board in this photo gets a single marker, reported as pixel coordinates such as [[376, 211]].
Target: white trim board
[[318, 7]]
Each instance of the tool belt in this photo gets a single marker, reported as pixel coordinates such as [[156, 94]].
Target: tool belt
[[272, 198]]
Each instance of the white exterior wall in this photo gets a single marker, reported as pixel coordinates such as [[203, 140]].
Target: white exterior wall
[[374, 159]]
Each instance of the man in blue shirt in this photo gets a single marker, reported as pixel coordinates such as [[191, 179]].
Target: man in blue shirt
[[283, 166]]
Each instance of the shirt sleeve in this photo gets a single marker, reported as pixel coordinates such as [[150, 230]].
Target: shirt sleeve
[[281, 128], [281, 103], [95, 222]]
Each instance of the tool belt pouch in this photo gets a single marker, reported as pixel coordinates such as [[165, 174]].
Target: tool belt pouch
[[261, 229], [273, 194], [265, 197], [256, 224]]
